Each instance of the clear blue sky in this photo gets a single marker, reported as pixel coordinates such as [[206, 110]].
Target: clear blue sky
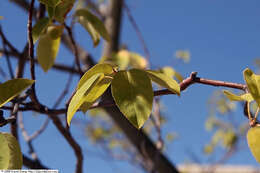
[[222, 37]]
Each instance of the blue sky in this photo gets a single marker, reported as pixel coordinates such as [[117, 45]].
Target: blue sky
[[222, 37]]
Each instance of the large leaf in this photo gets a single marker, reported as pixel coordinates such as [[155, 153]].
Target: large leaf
[[253, 140], [133, 94], [253, 84], [48, 47], [106, 69], [51, 3], [62, 10], [244, 97], [10, 152], [39, 27], [164, 81], [96, 23], [95, 93], [81, 94], [12, 88]]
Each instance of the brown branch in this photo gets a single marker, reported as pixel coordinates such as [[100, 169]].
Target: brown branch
[[74, 145], [33, 164], [31, 52]]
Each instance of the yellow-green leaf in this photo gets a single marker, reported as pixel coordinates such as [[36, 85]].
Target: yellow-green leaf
[[10, 152], [133, 94], [253, 84], [91, 30], [80, 96], [12, 88], [169, 71], [63, 9], [244, 97], [51, 3], [94, 21], [48, 47], [164, 81], [104, 68], [253, 140], [137, 61], [39, 27], [184, 55], [95, 93]]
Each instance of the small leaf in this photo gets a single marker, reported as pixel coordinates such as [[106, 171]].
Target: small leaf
[[244, 97], [51, 3], [51, 11], [106, 69], [169, 71], [253, 140], [10, 152], [95, 93], [94, 21], [81, 94], [63, 9], [253, 84], [137, 61], [12, 88], [164, 81], [48, 47], [184, 55], [91, 30], [133, 94], [39, 27]]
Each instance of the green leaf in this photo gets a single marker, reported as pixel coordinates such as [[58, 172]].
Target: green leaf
[[39, 27], [106, 69], [51, 11], [51, 3], [253, 84], [133, 94], [12, 88], [94, 21], [10, 152], [244, 97], [253, 140], [169, 71], [91, 30], [184, 55], [80, 96], [48, 47], [164, 81], [63, 9], [95, 93]]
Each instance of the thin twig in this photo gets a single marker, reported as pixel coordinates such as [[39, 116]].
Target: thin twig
[[138, 32], [31, 52], [75, 49]]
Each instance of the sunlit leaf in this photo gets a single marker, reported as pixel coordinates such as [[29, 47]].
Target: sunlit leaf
[[164, 81], [10, 152], [137, 61], [81, 94], [63, 9], [48, 47], [169, 71], [12, 88], [121, 59], [253, 84], [104, 68], [91, 30], [95, 93], [183, 54], [51, 3], [253, 140], [96, 23], [244, 97], [133, 94], [39, 27]]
